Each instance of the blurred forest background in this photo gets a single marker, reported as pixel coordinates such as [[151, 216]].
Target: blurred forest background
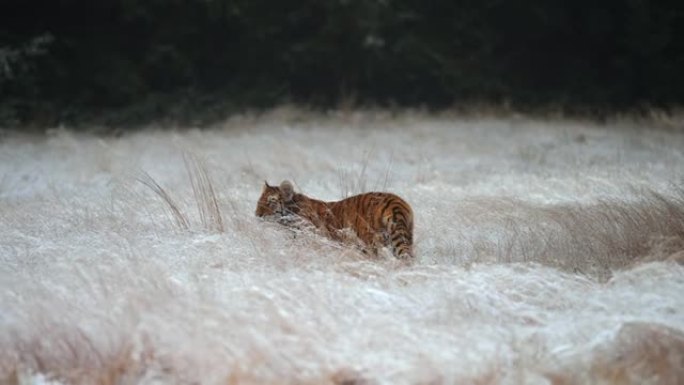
[[129, 62]]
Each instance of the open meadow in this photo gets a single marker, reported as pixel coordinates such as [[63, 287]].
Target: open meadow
[[548, 252]]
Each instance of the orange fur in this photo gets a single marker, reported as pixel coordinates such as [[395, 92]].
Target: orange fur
[[378, 219]]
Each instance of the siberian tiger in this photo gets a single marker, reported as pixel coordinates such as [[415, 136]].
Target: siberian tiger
[[377, 219]]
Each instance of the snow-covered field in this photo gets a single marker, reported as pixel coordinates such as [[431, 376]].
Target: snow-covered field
[[547, 253]]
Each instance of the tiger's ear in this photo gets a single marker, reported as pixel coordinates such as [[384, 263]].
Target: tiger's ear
[[287, 190]]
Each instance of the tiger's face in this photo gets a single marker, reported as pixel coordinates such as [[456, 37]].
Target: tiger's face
[[274, 199]]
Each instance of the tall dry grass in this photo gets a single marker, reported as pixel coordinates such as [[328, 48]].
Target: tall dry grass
[[204, 194], [179, 218], [589, 238]]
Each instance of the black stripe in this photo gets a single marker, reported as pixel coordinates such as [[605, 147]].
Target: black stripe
[[389, 202], [367, 203], [398, 213]]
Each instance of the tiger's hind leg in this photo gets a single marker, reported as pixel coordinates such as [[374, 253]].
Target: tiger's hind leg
[[403, 249], [379, 241], [367, 247]]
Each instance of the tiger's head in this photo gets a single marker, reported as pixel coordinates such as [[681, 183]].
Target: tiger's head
[[274, 200]]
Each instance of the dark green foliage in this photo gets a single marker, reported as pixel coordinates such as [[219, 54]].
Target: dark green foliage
[[132, 61]]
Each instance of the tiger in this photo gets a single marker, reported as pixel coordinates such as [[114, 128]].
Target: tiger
[[377, 219]]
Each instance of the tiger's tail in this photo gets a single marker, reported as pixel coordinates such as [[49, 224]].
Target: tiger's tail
[[401, 232]]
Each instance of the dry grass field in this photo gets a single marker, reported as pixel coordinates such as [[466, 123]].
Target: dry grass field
[[548, 252]]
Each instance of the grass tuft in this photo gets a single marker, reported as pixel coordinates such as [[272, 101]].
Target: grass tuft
[[204, 193], [179, 218]]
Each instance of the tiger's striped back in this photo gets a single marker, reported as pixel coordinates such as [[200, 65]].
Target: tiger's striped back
[[377, 219]]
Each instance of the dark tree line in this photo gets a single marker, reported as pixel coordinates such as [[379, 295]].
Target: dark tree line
[[66, 60]]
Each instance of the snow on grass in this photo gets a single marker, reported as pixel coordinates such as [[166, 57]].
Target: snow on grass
[[544, 250]]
